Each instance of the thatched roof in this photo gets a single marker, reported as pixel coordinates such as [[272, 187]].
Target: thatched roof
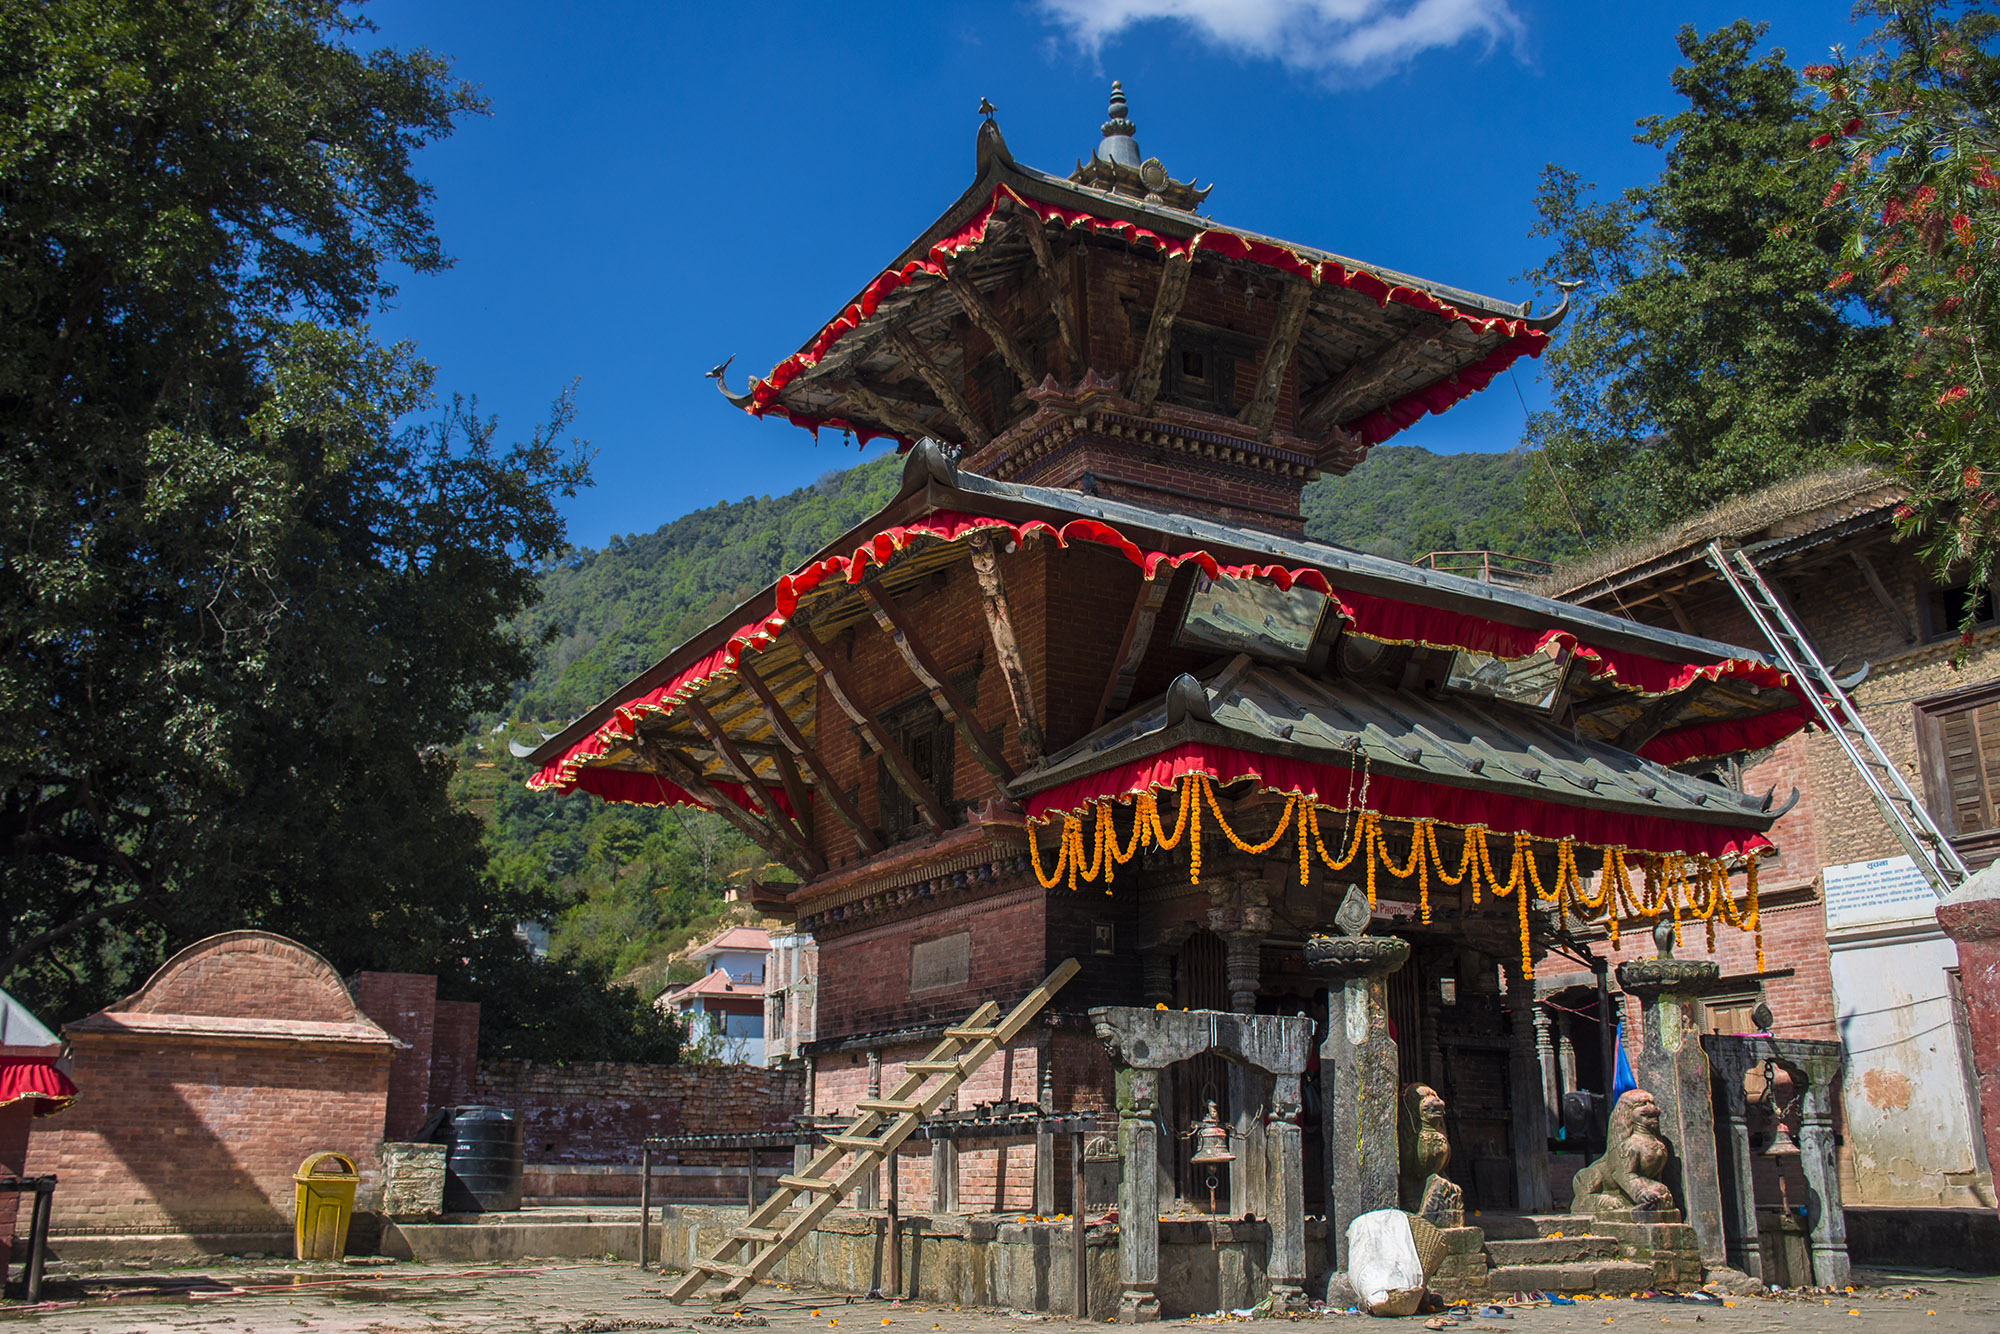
[[1789, 508]]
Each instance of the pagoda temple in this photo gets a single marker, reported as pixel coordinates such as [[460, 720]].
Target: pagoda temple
[[1083, 690]]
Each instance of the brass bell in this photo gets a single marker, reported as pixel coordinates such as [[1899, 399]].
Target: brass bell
[[1782, 1144], [1211, 1140]]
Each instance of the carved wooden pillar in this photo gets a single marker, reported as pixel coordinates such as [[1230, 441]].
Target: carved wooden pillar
[[1156, 976], [1527, 1090]]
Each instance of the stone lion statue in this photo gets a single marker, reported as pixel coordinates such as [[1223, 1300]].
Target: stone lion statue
[[1421, 1185], [1635, 1157]]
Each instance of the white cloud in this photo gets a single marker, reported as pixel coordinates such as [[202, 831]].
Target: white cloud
[[1349, 40]]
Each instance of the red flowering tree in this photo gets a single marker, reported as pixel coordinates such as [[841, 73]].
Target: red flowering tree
[[1913, 119]]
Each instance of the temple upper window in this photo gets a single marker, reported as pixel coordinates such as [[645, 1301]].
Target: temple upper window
[[1252, 616]]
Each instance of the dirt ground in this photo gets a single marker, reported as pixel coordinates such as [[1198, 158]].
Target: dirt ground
[[603, 1298]]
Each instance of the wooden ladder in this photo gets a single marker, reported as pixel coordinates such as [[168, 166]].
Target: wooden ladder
[[775, 1226]]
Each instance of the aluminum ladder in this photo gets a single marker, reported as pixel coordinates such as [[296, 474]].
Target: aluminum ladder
[[1912, 824], [775, 1226]]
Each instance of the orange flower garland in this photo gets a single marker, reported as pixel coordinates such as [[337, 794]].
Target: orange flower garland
[[1676, 887]]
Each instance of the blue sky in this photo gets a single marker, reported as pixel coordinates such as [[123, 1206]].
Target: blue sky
[[661, 186]]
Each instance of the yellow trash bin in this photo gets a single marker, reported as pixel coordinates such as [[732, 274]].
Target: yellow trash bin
[[325, 1205]]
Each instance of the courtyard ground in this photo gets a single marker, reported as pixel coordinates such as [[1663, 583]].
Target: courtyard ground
[[607, 1297]]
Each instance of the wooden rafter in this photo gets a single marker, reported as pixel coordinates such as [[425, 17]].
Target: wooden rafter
[[980, 313], [848, 698], [1053, 284], [924, 667], [1898, 613], [1678, 612], [1013, 665], [688, 775], [796, 792], [1653, 719], [895, 414], [732, 760], [1160, 330], [947, 393], [788, 732], [1334, 401], [1132, 648], [1262, 410]]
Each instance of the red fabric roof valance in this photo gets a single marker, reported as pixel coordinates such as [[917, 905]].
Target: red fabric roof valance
[[29, 1077]]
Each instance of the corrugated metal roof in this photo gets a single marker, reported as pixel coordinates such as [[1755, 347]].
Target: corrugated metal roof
[[1448, 739]]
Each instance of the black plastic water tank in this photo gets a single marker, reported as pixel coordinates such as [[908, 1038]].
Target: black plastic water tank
[[483, 1157]]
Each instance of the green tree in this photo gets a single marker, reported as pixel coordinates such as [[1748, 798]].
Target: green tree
[[1910, 129], [245, 608], [1705, 357]]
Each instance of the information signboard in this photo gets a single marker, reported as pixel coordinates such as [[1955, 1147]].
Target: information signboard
[[1891, 889]]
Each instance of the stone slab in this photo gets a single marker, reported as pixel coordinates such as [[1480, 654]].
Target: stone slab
[[1553, 1250], [1611, 1276]]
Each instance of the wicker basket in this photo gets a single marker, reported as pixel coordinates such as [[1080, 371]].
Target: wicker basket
[[1429, 1242]]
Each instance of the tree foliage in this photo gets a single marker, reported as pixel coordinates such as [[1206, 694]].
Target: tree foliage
[[1705, 356], [1908, 132], [245, 607]]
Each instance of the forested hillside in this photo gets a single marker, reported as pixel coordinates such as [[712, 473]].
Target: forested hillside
[[1404, 501]]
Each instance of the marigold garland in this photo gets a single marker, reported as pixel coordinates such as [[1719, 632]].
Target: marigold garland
[[1674, 886]]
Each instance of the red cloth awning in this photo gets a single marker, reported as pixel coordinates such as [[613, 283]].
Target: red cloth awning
[[1398, 799], [25, 1077]]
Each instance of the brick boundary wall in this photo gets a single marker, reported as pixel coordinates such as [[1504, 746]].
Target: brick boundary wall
[[599, 1111]]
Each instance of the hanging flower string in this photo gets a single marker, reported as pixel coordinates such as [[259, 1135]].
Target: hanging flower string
[[1676, 887]]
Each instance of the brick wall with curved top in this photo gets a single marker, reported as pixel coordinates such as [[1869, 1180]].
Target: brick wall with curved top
[[202, 1092]]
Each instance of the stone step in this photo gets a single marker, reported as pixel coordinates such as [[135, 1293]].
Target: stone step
[[1614, 1276], [1527, 1227], [1551, 1251]]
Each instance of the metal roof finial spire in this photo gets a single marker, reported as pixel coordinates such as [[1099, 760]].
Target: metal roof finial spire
[[1119, 146]]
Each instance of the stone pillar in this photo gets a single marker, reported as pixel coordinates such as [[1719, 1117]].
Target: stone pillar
[[1359, 1075], [1731, 1059], [868, 1195], [1545, 1053], [1671, 1065], [1819, 1160], [1970, 915], [1527, 1089], [1284, 1189], [1156, 976], [1138, 1197]]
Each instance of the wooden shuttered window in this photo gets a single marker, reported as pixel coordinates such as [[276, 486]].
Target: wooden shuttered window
[[1970, 739], [1959, 742]]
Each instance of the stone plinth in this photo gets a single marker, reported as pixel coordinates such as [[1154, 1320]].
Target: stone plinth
[[1462, 1276], [412, 1180], [1671, 1065], [1970, 915], [1360, 1078]]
